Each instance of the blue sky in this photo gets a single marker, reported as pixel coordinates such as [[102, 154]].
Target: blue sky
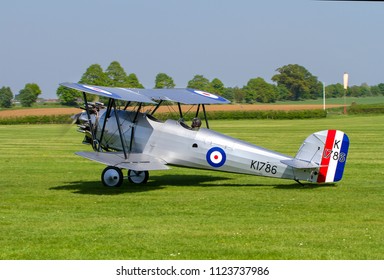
[[48, 42]]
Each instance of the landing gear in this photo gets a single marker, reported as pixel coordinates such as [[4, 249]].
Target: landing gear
[[112, 177], [138, 177]]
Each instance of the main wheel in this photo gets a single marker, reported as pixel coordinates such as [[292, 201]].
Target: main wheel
[[112, 177], [138, 177]]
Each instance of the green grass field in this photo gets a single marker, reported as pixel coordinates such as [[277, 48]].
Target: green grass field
[[53, 205]]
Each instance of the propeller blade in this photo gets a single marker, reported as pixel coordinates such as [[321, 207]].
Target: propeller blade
[[75, 118]]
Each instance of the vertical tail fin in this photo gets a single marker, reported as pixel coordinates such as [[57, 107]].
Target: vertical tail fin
[[334, 157], [327, 151]]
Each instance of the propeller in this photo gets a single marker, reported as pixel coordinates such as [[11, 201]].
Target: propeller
[[81, 119], [75, 118]]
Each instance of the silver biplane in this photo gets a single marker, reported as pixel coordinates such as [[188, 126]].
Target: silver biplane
[[126, 138]]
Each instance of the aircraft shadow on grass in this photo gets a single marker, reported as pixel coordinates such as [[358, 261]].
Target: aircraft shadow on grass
[[161, 182]]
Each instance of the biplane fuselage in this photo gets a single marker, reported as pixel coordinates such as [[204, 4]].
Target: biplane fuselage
[[175, 143]]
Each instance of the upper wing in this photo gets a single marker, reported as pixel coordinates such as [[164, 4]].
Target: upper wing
[[185, 96], [137, 162], [110, 92]]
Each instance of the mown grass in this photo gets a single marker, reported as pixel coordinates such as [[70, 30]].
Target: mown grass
[[53, 205]]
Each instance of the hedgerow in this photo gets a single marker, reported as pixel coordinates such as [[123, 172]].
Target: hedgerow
[[43, 119], [240, 115], [366, 109]]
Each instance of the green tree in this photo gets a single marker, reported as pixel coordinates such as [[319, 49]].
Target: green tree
[[239, 94], [116, 75], [258, 90], [200, 82], [6, 96], [377, 90], [28, 95], [133, 81], [334, 90], [229, 93], [381, 88], [365, 90], [94, 75], [164, 81], [299, 81], [283, 93], [217, 86], [359, 91], [34, 88], [68, 96], [235, 94]]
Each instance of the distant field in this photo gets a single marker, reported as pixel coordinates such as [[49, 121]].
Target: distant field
[[53, 205]]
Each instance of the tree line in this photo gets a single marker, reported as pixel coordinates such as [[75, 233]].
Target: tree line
[[292, 82], [27, 96]]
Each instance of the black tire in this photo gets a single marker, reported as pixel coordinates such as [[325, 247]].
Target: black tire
[[138, 177], [112, 177]]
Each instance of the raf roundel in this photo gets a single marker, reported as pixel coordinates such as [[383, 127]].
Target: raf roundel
[[97, 89], [206, 94], [216, 157]]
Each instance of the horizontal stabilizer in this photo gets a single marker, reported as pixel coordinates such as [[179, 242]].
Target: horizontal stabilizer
[[300, 164], [137, 162]]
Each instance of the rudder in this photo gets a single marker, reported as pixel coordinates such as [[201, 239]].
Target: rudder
[[334, 157], [325, 153]]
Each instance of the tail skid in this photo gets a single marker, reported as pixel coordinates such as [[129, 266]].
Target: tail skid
[[324, 155]]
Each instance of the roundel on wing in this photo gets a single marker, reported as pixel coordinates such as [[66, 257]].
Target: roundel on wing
[[206, 94], [216, 157], [97, 89]]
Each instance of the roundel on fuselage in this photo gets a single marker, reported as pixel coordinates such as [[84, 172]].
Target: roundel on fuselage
[[216, 157]]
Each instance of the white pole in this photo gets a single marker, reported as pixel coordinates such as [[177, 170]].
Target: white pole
[[345, 80], [324, 96]]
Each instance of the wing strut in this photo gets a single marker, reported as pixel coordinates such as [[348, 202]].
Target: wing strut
[[197, 111], [137, 112], [205, 116], [157, 107], [126, 105], [94, 141], [107, 115], [119, 127], [180, 111], [133, 127]]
